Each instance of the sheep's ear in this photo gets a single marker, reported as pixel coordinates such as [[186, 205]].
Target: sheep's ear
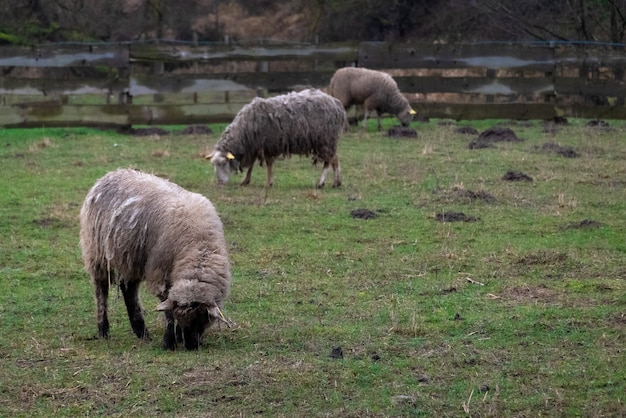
[[217, 313], [412, 112], [209, 156], [166, 305], [230, 156]]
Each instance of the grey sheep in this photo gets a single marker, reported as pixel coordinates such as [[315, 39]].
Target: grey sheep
[[375, 90], [137, 227], [304, 123]]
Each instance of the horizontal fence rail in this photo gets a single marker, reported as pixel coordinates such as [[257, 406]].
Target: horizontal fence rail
[[181, 83]]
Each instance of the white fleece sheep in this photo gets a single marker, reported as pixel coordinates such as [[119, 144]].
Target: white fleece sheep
[[137, 227], [376, 91], [304, 123]]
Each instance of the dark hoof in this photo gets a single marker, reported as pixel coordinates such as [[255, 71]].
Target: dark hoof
[[169, 345], [103, 331]]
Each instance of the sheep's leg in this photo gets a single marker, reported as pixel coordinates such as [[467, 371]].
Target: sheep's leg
[[101, 287], [322, 179], [192, 339], [130, 291], [336, 170], [246, 181], [179, 334], [270, 176], [365, 118], [169, 338]]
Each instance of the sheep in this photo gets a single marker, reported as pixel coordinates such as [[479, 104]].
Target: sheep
[[304, 123], [375, 90], [138, 227]]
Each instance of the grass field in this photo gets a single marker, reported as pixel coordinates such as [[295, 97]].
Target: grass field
[[518, 311]]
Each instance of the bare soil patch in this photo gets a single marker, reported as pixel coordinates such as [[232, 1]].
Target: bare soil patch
[[455, 217], [472, 196], [522, 294], [584, 224], [543, 258], [460, 195]]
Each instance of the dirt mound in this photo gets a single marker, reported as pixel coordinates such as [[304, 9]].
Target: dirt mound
[[459, 195], [492, 135], [150, 132], [128, 130], [553, 126], [336, 352], [363, 214], [402, 132], [565, 151], [516, 176], [584, 224], [197, 130], [466, 130], [462, 194], [455, 217], [477, 144], [499, 134], [597, 123]]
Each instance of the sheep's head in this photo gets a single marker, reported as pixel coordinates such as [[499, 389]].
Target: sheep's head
[[223, 163], [194, 307], [406, 116]]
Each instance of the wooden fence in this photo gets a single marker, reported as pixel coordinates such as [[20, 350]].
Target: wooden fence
[[177, 83]]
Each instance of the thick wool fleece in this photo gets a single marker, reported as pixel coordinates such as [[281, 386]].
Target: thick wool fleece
[[138, 227]]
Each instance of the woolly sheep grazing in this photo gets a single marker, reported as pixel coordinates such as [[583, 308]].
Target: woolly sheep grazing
[[137, 227], [304, 123], [375, 90]]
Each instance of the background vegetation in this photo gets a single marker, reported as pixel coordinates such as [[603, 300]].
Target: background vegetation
[[32, 21], [520, 312]]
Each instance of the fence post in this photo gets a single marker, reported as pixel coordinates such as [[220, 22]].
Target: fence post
[[491, 74], [618, 75], [552, 76]]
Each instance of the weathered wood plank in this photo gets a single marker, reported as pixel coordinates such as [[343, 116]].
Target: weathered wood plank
[[65, 56], [54, 113], [378, 55], [10, 99], [58, 114], [473, 111], [183, 114], [51, 87], [344, 51], [199, 83], [593, 56], [209, 97], [476, 85], [566, 86], [516, 111], [68, 96]]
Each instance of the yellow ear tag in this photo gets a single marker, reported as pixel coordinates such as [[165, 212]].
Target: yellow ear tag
[[412, 112], [230, 156]]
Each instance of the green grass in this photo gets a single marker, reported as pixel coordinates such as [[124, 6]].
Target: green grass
[[520, 313]]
